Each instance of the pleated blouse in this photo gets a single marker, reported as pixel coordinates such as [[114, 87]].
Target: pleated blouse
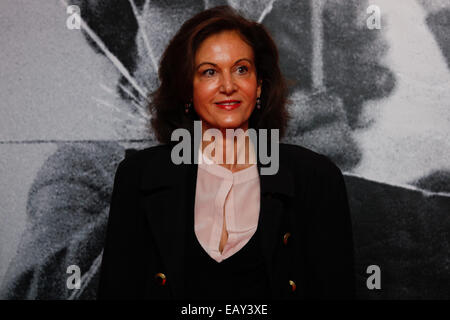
[[220, 191]]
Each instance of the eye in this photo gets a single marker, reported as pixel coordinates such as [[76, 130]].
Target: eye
[[209, 72], [242, 69]]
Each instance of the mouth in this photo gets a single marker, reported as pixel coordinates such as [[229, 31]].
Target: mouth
[[228, 104]]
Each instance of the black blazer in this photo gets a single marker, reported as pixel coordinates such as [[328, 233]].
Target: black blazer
[[152, 198]]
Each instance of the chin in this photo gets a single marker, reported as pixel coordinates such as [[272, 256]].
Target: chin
[[230, 122], [230, 125]]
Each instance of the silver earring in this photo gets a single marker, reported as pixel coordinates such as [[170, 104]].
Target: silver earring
[[187, 106], [258, 103]]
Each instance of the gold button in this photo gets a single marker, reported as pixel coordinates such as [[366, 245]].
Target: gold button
[[160, 278], [293, 286], [286, 237]]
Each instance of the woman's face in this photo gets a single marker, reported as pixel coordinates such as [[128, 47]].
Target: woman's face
[[225, 82]]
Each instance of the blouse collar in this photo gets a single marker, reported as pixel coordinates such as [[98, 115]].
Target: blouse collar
[[213, 168]]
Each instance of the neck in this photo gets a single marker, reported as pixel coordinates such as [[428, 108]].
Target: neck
[[236, 150]]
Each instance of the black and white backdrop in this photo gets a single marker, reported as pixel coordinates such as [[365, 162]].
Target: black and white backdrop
[[375, 100]]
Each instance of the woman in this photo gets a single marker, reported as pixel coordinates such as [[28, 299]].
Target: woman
[[222, 229]]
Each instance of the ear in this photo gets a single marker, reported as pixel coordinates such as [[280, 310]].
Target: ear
[[259, 88]]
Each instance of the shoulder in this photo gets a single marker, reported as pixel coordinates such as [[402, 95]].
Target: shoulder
[[139, 158], [139, 162], [304, 161]]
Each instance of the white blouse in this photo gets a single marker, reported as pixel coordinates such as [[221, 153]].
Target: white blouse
[[220, 191]]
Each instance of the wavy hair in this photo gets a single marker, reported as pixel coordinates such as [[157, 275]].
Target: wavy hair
[[176, 73]]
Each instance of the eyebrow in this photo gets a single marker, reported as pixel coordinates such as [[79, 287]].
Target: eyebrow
[[237, 61]]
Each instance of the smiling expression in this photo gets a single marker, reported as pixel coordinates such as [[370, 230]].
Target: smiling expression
[[225, 84]]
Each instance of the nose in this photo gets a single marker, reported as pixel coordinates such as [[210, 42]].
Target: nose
[[228, 86]]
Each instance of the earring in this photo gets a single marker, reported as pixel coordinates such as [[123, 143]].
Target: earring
[[258, 103], [187, 106]]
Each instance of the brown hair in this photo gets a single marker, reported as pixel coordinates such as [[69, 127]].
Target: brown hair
[[176, 73]]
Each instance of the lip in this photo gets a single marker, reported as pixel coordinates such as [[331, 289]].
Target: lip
[[223, 104]]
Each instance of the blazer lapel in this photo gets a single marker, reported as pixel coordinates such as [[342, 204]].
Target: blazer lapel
[[168, 198], [275, 191]]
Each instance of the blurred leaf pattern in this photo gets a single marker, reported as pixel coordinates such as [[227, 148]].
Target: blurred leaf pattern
[[404, 231]]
